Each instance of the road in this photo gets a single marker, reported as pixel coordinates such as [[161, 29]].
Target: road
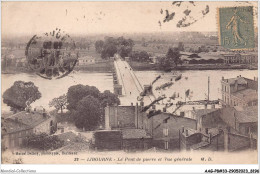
[[131, 86]]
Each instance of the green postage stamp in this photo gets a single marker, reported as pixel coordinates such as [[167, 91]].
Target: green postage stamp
[[236, 27]]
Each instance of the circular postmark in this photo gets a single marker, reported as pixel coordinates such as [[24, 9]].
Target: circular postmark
[[52, 55]]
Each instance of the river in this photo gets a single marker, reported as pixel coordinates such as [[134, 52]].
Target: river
[[196, 81]]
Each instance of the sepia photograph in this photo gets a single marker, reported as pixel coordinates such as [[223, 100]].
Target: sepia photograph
[[118, 82]]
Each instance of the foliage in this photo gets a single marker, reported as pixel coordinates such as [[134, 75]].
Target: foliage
[[99, 45], [111, 46], [164, 64], [180, 46], [44, 142], [77, 92], [108, 98], [59, 103], [87, 113], [173, 55], [77, 96], [141, 56], [108, 50], [21, 95]]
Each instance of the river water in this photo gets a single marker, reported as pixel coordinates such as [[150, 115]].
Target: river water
[[196, 81]]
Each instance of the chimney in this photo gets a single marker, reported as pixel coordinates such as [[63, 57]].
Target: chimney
[[206, 130], [209, 139], [132, 104], [236, 85], [251, 141], [164, 109], [182, 129], [34, 109], [226, 139], [222, 78], [186, 132], [136, 116], [182, 114]]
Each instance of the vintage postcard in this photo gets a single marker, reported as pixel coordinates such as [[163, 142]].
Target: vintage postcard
[[129, 82]]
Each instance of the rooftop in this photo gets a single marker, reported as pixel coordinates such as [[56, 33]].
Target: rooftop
[[247, 114], [10, 126], [202, 112], [134, 134], [23, 120], [199, 145], [239, 80], [246, 95]]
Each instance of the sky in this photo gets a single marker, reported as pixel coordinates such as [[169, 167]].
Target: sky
[[102, 17]]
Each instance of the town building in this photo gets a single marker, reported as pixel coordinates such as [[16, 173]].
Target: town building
[[215, 139], [135, 139], [206, 118], [240, 58], [205, 139], [239, 91], [18, 127], [120, 117], [163, 128], [241, 120], [86, 60], [154, 59]]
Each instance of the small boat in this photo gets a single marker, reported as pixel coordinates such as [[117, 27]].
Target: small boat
[[178, 77], [173, 96], [175, 73]]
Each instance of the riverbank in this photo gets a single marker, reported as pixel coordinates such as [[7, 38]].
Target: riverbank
[[142, 66], [102, 67], [105, 67]]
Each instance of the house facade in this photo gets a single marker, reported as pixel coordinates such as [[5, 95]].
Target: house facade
[[86, 61], [240, 58], [18, 127], [239, 91]]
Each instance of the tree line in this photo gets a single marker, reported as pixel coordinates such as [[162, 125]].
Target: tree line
[[86, 104]]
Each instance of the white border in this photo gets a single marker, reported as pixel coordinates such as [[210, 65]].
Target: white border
[[185, 168]]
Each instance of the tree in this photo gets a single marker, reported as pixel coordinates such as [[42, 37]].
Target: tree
[[21, 95], [108, 51], [144, 56], [173, 55], [77, 92], [111, 46], [99, 46], [124, 46], [140, 56], [181, 46], [108, 98], [164, 64], [88, 112], [44, 142], [59, 103]]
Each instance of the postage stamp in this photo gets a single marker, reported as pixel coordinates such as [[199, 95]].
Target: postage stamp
[[52, 55], [236, 27]]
